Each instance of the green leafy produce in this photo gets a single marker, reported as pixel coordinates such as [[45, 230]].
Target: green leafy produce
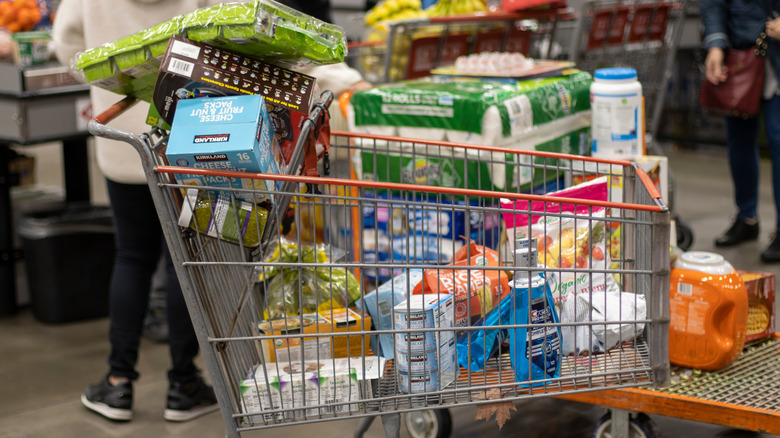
[[306, 289]]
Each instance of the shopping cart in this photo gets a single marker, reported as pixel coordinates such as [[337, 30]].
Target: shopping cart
[[269, 313], [412, 48]]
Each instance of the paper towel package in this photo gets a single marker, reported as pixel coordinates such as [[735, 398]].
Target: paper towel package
[[549, 114], [233, 133]]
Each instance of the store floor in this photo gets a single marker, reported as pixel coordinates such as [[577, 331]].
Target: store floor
[[44, 368]]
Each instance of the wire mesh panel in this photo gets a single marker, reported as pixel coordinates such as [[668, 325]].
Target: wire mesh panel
[[411, 276]]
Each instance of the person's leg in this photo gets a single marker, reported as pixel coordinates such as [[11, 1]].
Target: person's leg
[[137, 237], [182, 339], [743, 163], [772, 129], [137, 253], [188, 395]]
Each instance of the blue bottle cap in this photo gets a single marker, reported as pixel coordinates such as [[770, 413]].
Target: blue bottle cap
[[616, 73]]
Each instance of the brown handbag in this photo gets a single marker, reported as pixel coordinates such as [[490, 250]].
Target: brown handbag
[[740, 95]]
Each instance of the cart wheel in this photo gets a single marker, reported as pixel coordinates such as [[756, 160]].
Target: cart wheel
[[684, 235], [640, 426], [435, 423]]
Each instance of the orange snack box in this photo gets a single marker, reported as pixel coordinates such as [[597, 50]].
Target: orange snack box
[[340, 321], [476, 289]]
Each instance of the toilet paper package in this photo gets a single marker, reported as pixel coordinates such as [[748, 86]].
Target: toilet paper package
[[480, 111], [550, 114]]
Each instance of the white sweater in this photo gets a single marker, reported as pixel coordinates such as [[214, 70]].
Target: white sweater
[[85, 24]]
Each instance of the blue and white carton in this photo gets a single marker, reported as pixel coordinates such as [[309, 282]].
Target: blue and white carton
[[233, 133], [380, 303], [428, 353]]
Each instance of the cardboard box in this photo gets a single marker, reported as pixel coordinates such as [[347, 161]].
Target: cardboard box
[[289, 349], [296, 387], [761, 304], [225, 133], [345, 321], [192, 69]]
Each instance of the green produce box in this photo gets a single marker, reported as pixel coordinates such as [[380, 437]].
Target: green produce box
[[261, 29]]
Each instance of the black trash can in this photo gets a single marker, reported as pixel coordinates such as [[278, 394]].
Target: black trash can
[[69, 256]]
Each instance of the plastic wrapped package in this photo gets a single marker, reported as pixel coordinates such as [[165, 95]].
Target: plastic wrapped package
[[311, 287], [215, 214], [261, 29]]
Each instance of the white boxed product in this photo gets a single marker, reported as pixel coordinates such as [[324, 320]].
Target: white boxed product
[[295, 386], [430, 371], [424, 312]]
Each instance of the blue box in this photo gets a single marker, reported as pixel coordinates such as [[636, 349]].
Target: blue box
[[380, 303], [232, 133]]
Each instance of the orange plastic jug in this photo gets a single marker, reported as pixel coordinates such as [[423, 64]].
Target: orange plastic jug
[[708, 306]]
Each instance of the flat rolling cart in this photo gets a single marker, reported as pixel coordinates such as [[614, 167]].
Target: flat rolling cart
[[742, 395], [273, 288]]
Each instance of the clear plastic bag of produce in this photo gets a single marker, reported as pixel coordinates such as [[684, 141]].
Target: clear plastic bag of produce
[[300, 279], [261, 29]]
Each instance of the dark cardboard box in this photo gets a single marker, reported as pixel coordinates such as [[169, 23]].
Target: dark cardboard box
[[191, 69]]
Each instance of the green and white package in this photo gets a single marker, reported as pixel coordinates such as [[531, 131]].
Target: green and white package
[[296, 386], [476, 112], [262, 29], [551, 114]]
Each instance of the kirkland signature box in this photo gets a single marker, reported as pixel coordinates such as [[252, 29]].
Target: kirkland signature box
[[225, 133], [191, 69]]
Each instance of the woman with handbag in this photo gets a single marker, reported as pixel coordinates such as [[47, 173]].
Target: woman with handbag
[[733, 26]]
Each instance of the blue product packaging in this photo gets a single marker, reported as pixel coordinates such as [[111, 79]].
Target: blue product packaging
[[475, 347], [544, 361], [380, 303], [229, 133]]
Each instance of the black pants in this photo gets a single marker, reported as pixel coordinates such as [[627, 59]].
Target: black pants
[[139, 245]]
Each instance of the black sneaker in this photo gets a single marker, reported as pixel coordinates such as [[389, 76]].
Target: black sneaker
[[772, 253], [189, 401], [114, 402], [739, 232]]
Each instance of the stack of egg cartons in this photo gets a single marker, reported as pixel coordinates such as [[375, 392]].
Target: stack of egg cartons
[[426, 360]]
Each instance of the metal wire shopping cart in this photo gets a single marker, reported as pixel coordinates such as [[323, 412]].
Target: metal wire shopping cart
[[271, 314]]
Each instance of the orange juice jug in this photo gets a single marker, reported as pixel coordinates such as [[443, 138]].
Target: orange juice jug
[[708, 306]]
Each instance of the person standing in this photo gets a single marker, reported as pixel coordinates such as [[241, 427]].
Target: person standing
[[737, 24], [84, 24]]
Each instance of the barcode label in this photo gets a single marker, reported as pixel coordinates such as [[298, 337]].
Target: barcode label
[[685, 289], [520, 114], [179, 67]]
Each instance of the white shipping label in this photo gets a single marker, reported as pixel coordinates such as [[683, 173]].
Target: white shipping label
[[185, 49]]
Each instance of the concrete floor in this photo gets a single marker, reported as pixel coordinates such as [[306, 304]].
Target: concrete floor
[[44, 368]]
